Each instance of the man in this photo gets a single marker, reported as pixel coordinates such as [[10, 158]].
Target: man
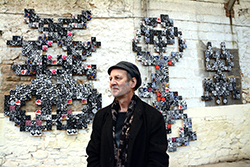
[[128, 132]]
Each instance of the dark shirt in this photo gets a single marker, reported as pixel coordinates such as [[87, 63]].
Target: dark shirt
[[118, 127]]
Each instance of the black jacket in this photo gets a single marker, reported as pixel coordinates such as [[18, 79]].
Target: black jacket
[[147, 144]]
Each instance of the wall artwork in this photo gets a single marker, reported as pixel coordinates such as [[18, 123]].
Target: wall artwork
[[220, 86], [66, 90], [158, 33]]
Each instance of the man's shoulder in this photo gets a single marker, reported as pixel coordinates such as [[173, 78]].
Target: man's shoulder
[[102, 114], [104, 110], [149, 113]]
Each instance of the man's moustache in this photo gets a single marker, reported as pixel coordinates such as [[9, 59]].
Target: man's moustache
[[115, 87]]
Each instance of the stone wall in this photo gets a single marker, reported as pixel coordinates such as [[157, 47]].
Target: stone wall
[[222, 131]]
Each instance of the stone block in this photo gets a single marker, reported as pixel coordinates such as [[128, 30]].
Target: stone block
[[7, 62], [48, 162], [24, 156], [234, 152], [63, 162], [222, 152], [10, 164], [207, 154], [243, 141], [30, 163], [74, 160], [40, 154], [13, 78], [222, 134]]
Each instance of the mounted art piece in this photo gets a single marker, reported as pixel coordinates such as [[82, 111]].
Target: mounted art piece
[[220, 86], [66, 90], [159, 33]]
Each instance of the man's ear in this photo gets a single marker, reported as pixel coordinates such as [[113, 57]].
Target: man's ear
[[133, 83]]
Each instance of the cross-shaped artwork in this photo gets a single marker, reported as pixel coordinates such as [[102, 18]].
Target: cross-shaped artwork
[[65, 90], [169, 103]]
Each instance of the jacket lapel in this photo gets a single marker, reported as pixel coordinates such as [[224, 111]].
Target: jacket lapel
[[136, 125], [109, 127]]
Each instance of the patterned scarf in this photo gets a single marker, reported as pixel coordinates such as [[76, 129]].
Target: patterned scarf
[[121, 152]]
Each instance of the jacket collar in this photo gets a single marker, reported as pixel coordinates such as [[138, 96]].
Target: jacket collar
[[135, 127]]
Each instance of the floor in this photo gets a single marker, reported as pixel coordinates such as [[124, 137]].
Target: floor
[[243, 163]]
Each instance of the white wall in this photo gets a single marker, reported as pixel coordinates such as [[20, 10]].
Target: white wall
[[222, 132]]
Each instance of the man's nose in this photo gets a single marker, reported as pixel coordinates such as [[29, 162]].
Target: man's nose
[[113, 82]]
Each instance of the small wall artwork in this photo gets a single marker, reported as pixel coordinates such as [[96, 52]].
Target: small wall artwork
[[220, 87]]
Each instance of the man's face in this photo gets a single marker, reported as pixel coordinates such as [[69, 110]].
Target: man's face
[[119, 84]]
